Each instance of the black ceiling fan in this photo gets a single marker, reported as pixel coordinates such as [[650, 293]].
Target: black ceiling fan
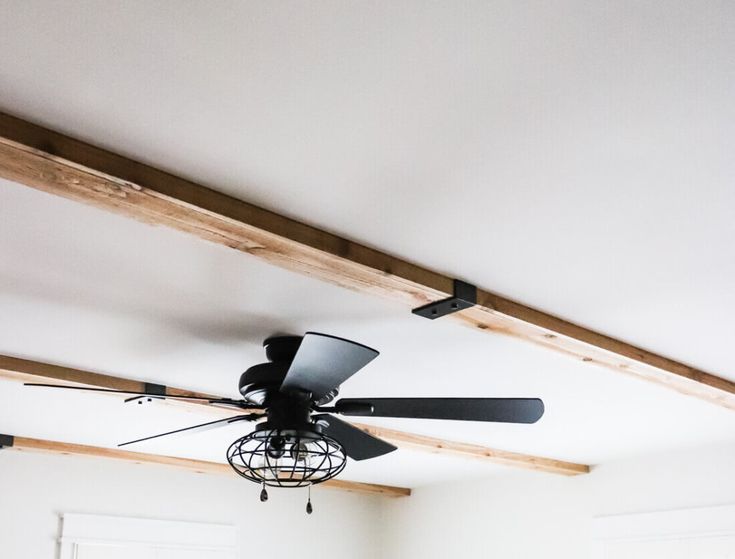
[[301, 442]]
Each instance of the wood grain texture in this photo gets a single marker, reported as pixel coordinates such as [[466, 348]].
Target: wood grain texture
[[49, 161], [26, 370], [199, 466], [477, 452]]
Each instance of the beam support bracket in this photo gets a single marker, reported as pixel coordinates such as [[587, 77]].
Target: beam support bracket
[[154, 389], [6, 441], [152, 392], [465, 296]]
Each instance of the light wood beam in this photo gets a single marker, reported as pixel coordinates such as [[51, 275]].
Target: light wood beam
[[25, 370], [465, 450], [199, 466], [49, 161]]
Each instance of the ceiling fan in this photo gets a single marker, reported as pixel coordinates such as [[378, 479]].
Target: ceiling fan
[[301, 442]]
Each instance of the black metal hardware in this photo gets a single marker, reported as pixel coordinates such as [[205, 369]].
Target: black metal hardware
[[6, 441], [465, 296], [287, 457], [152, 391]]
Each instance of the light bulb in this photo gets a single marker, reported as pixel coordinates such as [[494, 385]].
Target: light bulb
[[300, 452], [276, 447]]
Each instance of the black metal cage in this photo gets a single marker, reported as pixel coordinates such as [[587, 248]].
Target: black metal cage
[[286, 458]]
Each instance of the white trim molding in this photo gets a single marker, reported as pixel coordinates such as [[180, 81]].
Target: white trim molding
[[672, 525], [90, 529]]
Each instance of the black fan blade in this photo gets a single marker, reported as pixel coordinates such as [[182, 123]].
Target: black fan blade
[[200, 427], [228, 401], [324, 362], [358, 444], [503, 410]]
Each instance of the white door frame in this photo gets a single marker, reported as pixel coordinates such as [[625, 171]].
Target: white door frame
[[78, 529], [681, 524]]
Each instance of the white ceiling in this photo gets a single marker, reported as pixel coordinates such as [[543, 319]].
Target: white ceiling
[[574, 156], [89, 289]]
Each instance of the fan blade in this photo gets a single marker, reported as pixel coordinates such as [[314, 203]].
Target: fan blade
[[324, 362], [358, 444], [200, 427], [229, 401], [503, 410]]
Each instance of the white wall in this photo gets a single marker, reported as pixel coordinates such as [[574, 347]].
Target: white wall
[[519, 515], [35, 489], [535, 515]]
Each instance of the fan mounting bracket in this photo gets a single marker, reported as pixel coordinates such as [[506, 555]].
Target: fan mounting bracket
[[6, 441], [464, 297]]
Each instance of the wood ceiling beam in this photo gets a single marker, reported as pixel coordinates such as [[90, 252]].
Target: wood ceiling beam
[[411, 441], [199, 466], [25, 370], [55, 163]]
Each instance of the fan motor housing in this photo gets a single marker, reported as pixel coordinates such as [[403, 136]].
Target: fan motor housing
[[286, 411], [261, 381], [282, 348]]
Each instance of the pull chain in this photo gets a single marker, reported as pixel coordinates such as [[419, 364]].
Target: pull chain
[[263, 494], [309, 508]]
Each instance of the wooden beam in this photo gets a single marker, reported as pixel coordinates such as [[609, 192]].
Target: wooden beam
[[199, 466], [24, 370], [49, 161], [465, 450]]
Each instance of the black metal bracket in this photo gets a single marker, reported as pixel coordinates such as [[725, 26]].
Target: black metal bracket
[[6, 441], [152, 391], [465, 296]]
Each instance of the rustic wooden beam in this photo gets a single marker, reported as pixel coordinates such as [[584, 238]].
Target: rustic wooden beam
[[199, 466], [464, 450], [25, 370], [55, 163]]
